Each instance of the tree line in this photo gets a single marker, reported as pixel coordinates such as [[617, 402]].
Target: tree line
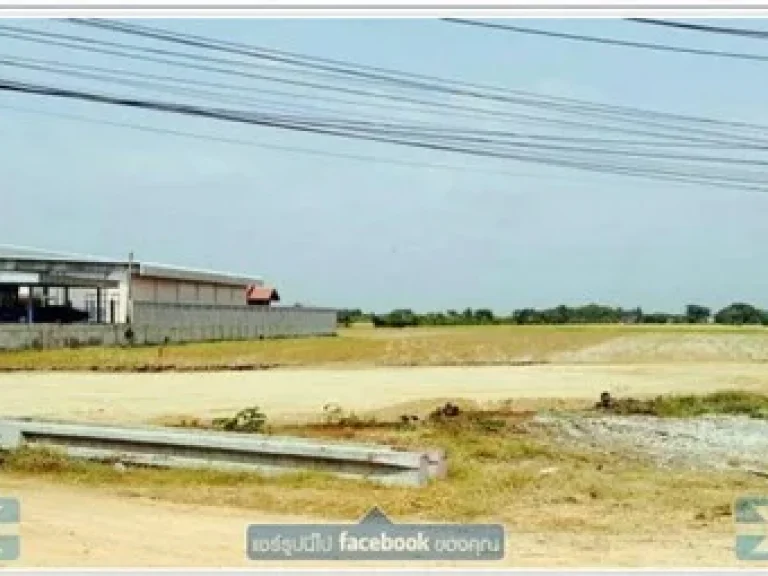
[[738, 313]]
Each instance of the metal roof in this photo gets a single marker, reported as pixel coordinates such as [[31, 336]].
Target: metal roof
[[12, 252], [25, 259], [195, 275]]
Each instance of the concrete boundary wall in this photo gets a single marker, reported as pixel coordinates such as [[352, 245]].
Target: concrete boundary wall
[[18, 336], [155, 323]]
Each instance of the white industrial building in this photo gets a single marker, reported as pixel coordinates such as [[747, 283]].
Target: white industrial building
[[106, 288], [163, 302], [162, 284]]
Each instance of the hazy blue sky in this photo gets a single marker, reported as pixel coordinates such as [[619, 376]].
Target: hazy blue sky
[[339, 232]]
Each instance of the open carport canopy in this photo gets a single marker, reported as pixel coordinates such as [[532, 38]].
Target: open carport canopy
[[28, 267]]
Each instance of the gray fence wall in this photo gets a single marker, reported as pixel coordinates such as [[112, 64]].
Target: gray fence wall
[[15, 336], [189, 322], [155, 322]]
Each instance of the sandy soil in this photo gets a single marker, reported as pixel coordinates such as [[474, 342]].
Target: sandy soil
[[288, 393], [67, 526], [659, 347]]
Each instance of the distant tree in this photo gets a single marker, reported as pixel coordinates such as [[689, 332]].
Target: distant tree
[[658, 318], [347, 317], [524, 316], [740, 313], [737, 313], [399, 318], [696, 314], [561, 315], [484, 316]]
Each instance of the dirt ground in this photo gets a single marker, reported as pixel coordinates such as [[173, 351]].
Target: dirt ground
[[73, 527], [669, 347], [79, 527], [292, 393]]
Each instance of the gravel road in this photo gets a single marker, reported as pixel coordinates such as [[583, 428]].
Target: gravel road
[[713, 442]]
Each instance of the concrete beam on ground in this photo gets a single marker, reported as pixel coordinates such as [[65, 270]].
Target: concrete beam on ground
[[196, 449]]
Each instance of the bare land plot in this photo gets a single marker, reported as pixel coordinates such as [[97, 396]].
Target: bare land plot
[[65, 525], [437, 346], [294, 393], [563, 505]]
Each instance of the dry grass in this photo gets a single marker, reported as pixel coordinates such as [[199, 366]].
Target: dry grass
[[732, 402], [357, 347], [499, 472]]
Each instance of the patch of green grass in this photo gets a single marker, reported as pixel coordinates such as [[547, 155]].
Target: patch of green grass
[[730, 402]]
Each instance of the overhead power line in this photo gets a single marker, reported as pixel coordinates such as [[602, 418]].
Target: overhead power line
[[269, 146], [662, 129], [647, 149], [91, 46], [160, 84], [642, 158], [422, 82], [742, 181], [609, 41], [728, 31]]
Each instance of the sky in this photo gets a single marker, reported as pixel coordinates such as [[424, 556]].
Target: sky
[[333, 231]]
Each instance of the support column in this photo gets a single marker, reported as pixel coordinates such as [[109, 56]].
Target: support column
[[30, 306], [98, 306]]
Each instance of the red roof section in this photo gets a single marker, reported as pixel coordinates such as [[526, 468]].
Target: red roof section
[[262, 294]]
